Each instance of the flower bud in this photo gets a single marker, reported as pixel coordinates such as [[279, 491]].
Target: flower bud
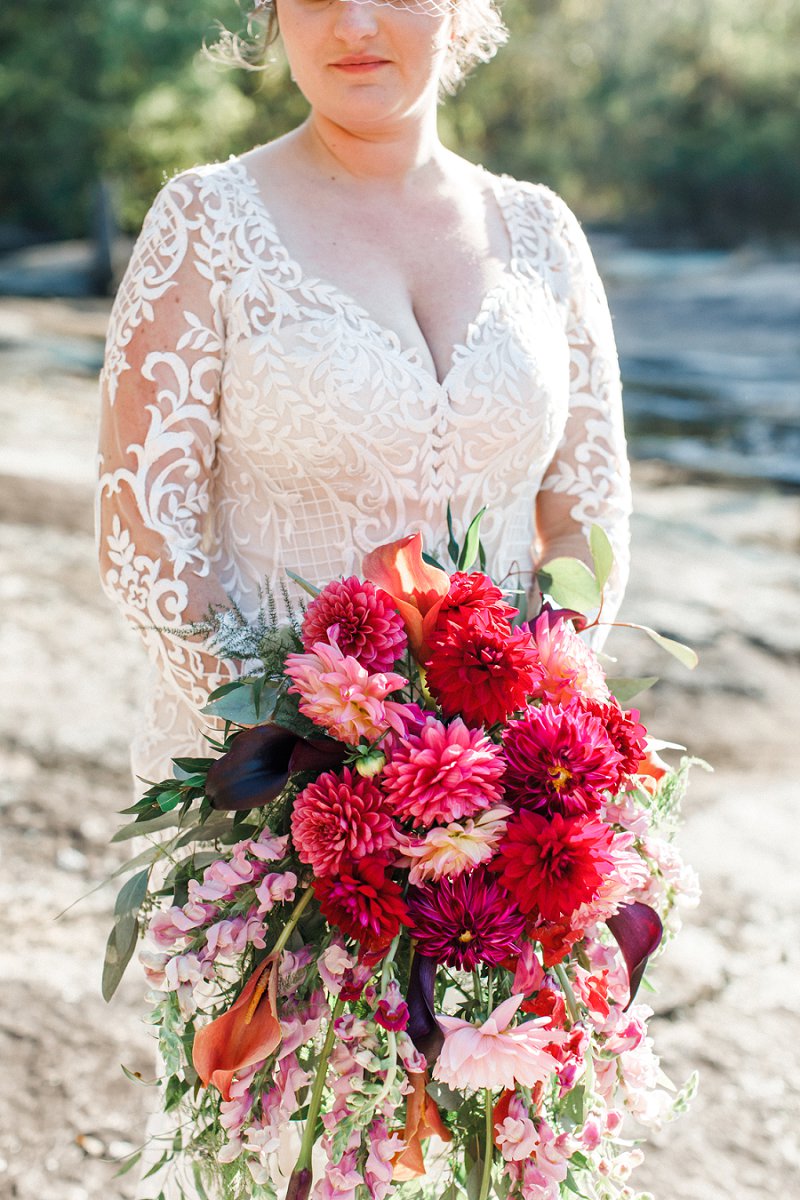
[[371, 764]]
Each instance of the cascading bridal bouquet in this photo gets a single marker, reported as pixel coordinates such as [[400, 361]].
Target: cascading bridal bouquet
[[412, 898]]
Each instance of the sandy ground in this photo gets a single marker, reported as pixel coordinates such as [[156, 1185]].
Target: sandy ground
[[717, 565]]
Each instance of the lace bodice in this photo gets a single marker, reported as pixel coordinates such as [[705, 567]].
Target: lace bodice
[[256, 418]]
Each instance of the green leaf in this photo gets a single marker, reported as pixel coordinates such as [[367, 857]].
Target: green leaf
[[122, 939], [570, 583], [626, 687], [684, 654], [136, 1077], [469, 551], [141, 828], [166, 801], [247, 704], [473, 1184], [452, 542], [602, 555], [572, 1185], [575, 1104], [432, 561], [311, 588], [165, 1157], [192, 765], [129, 1164]]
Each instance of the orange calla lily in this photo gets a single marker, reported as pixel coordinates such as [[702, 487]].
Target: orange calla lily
[[423, 1120], [417, 588], [243, 1035]]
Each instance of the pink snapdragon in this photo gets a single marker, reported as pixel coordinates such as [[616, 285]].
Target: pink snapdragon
[[176, 924], [275, 888]]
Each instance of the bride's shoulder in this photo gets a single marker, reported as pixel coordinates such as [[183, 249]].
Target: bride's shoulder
[[539, 203]]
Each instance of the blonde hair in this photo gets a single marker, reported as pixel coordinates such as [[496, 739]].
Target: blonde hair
[[479, 32]]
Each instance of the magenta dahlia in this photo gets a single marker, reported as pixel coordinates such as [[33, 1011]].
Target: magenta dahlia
[[553, 866], [361, 619], [340, 818], [559, 760], [443, 773], [479, 672], [365, 903], [626, 732], [466, 920]]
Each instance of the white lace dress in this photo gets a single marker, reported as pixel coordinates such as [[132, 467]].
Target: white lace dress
[[256, 418]]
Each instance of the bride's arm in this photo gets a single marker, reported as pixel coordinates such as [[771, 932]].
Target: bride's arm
[[588, 480], [160, 395]]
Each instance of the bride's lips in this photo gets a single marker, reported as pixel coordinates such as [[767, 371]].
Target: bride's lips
[[359, 64]]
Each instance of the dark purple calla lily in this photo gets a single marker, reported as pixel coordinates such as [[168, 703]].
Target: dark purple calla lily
[[299, 1185], [423, 1028], [257, 767], [550, 617], [637, 929]]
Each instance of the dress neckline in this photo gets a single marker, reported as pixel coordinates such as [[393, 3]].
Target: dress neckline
[[411, 355]]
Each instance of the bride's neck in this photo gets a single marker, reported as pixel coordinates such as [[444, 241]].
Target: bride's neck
[[392, 155]]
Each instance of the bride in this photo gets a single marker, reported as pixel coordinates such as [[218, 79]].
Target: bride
[[319, 344]]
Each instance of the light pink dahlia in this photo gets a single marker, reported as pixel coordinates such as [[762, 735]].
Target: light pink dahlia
[[360, 619], [443, 773], [338, 819], [559, 760], [493, 1055], [569, 668], [337, 693], [449, 850]]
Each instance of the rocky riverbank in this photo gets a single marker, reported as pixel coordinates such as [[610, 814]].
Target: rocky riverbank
[[715, 564]]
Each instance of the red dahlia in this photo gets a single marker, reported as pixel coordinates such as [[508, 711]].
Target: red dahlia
[[626, 732], [340, 818], [361, 619], [552, 867], [479, 672], [364, 903], [559, 760], [466, 920], [471, 594]]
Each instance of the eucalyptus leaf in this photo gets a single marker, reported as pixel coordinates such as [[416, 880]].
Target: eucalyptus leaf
[[570, 583], [444, 1096], [602, 554], [168, 800], [474, 1178], [311, 588], [242, 706], [165, 1157], [684, 654], [626, 687], [122, 939], [217, 825], [469, 551]]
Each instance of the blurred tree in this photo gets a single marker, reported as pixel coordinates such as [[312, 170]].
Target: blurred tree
[[679, 118]]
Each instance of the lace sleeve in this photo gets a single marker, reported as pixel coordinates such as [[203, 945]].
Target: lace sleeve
[[160, 392], [588, 480]]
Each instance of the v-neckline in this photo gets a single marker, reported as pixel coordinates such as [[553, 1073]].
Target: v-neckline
[[411, 355]]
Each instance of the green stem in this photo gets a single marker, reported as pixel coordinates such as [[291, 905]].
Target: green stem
[[488, 1155], [309, 1133], [569, 995], [288, 929]]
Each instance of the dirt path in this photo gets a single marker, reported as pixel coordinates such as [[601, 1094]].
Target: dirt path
[[716, 565]]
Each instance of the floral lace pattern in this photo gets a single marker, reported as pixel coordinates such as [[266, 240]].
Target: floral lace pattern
[[256, 418]]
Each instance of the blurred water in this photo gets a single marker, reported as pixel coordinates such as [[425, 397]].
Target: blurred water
[[710, 353]]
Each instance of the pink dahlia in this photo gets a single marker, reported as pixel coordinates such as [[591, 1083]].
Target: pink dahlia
[[493, 1055], [449, 850], [361, 619], [337, 693], [559, 760], [475, 593], [340, 818], [569, 668], [466, 920], [552, 867], [364, 903], [443, 773], [479, 672], [626, 732]]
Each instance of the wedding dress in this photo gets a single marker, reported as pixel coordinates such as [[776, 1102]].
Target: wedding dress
[[263, 421]]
